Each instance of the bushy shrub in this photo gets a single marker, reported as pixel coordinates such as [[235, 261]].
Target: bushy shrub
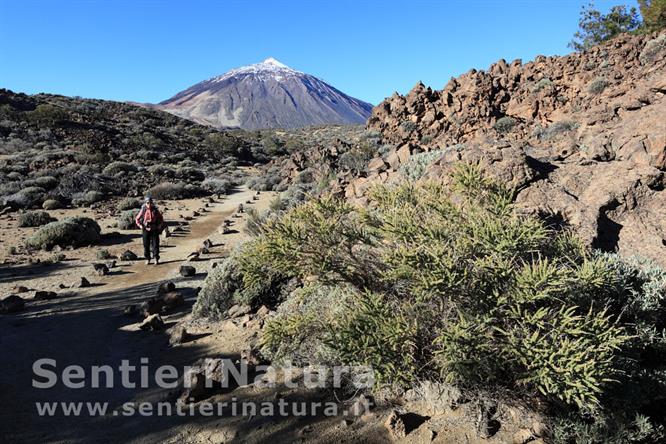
[[26, 198], [408, 126], [451, 281], [417, 164], [190, 174], [87, 198], [46, 182], [73, 231], [555, 129], [174, 191], [126, 220], [128, 203], [543, 84], [504, 124], [653, 50], [218, 290], [34, 219], [217, 185], [103, 254], [161, 170], [597, 86], [51, 204], [117, 167], [267, 182], [300, 331]]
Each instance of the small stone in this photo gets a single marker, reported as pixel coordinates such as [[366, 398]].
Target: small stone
[[41, 295], [166, 287], [173, 299], [84, 283], [152, 323], [238, 310], [21, 289], [178, 335], [128, 256], [101, 269], [187, 271]]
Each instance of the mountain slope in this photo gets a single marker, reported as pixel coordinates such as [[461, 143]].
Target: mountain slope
[[266, 95]]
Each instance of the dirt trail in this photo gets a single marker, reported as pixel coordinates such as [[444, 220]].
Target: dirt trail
[[88, 329]]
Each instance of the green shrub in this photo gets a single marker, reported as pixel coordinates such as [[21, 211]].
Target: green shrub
[[126, 220], [217, 186], [555, 129], [87, 198], [451, 281], [597, 86], [417, 164], [34, 219], [408, 126], [542, 84], [300, 331], [128, 203], [73, 231], [653, 50], [504, 124], [117, 167], [218, 290], [46, 182], [173, 191], [104, 254], [51, 204], [374, 333]]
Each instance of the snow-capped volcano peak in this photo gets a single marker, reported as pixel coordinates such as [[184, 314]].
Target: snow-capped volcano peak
[[274, 62], [268, 94]]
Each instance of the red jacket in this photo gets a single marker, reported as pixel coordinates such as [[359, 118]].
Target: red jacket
[[150, 219]]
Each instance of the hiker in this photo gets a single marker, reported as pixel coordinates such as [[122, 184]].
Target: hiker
[[151, 222]]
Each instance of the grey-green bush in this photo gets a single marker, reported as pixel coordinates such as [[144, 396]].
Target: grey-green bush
[[504, 124], [87, 198], [116, 167], [73, 231], [126, 220], [51, 204], [597, 85], [128, 203], [34, 219], [173, 191], [417, 164]]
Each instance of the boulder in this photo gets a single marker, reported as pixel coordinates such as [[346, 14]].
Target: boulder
[[42, 295], [83, 283], [101, 269], [165, 287], [400, 424], [173, 300], [178, 335], [128, 256], [12, 304], [238, 310], [187, 271]]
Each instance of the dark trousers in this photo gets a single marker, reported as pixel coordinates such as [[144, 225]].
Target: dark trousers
[[151, 240]]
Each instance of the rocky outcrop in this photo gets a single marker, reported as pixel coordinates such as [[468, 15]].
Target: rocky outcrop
[[582, 137]]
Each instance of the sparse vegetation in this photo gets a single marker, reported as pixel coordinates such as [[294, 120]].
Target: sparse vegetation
[[504, 124], [73, 231], [415, 168], [597, 85], [34, 219], [126, 219], [450, 283]]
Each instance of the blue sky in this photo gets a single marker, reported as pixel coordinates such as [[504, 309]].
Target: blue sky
[[147, 50]]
